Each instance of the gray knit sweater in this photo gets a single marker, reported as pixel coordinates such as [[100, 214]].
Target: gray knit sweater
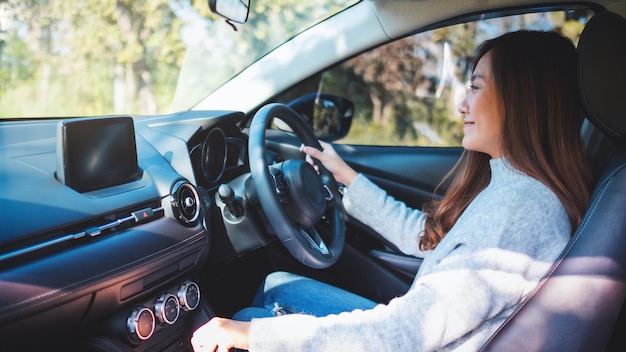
[[498, 250]]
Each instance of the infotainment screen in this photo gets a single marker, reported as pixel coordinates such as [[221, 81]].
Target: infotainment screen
[[95, 153]]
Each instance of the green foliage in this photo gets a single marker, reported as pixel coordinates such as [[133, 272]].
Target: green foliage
[[406, 96], [66, 58], [76, 58]]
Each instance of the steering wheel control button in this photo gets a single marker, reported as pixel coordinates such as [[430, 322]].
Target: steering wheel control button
[[140, 324], [189, 295], [280, 187], [328, 195], [167, 309]]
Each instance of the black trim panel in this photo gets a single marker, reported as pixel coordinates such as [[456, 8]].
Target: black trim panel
[[129, 264]]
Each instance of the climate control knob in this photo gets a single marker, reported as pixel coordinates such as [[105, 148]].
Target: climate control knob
[[140, 324], [167, 309], [189, 295]]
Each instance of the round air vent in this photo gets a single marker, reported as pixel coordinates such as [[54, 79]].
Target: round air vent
[[185, 203]]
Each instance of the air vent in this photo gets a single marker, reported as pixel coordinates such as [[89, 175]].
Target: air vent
[[185, 203]]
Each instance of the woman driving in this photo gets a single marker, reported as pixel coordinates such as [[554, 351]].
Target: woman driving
[[514, 198]]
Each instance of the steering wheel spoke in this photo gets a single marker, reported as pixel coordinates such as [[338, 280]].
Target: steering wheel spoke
[[315, 240]]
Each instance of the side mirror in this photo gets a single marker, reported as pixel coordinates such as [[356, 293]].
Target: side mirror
[[232, 10], [329, 115]]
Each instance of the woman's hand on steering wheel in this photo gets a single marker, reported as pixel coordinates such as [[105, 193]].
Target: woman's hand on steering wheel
[[342, 172]]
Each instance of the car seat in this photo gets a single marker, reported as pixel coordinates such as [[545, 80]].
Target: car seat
[[576, 307]]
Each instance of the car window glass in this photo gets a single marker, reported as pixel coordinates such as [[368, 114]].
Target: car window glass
[[406, 92]]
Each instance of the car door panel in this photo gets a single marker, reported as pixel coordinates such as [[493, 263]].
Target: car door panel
[[409, 174]]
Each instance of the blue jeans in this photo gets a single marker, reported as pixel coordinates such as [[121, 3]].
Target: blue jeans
[[286, 293]]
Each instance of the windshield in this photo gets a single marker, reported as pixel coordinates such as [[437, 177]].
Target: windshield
[[64, 58]]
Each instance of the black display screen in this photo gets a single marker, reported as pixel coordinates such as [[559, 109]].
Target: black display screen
[[96, 153]]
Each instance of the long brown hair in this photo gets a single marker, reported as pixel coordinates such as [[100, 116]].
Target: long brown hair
[[535, 79]]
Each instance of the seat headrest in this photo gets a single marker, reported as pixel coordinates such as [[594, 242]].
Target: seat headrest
[[602, 72]]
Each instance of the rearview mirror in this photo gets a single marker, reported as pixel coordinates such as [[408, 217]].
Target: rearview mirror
[[232, 10], [329, 115]]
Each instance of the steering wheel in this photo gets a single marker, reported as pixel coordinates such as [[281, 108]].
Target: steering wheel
[[294, 196]]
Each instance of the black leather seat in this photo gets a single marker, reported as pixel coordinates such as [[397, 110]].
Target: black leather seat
[[576, 307]]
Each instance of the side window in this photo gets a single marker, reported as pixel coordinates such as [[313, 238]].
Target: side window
[[406, 92]]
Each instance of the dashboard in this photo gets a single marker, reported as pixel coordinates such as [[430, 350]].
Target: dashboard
[[112, 261]]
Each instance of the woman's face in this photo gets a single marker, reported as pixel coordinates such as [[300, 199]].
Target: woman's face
[[483, 116]]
